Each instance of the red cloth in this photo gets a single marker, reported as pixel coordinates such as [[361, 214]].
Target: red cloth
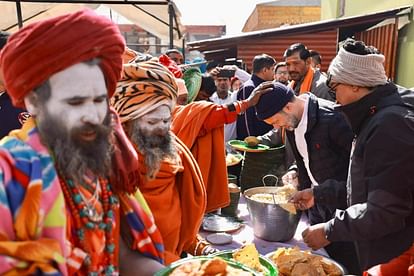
[[402, 265], [171, 65], [125, 171], [41, 49]]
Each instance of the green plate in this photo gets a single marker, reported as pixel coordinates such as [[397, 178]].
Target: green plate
[[268, 266], [169, 269], [241, 145]]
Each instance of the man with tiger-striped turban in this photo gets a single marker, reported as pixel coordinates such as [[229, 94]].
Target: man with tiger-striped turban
[[176, 147], [144, 99]]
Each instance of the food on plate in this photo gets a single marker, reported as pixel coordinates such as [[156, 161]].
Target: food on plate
[[295, 262], [251, 141], [303, 269], [213, 267], [187, 268], [280, 197], [249, 256], [233, 159]]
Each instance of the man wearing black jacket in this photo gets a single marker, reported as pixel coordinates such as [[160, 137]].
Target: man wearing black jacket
[[380, 216], [321, 142], [8, 113]]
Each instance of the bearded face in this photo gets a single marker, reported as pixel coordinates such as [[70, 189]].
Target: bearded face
[[75, 156], [152, 136], [71, 111]]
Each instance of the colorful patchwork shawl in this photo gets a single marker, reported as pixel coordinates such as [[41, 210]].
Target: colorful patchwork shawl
[[32, 207]]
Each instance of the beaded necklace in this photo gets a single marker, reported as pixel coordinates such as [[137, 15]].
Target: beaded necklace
[[87, 220]]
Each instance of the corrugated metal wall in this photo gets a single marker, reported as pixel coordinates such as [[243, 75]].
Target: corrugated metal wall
[[323, 42], [385, 39]]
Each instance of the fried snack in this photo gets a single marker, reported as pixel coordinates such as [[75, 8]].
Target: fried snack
[[292, 261], [251, 141], [316, 262], [330, 268], [303, 269], [286, 263], [214, 267], [248, 256]]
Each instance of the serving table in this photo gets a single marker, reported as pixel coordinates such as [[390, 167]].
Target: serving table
[[245, 234]]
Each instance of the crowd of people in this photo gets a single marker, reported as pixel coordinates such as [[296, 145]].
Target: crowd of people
[[109, 158]]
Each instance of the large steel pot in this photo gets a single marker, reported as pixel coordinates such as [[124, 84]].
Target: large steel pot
[[270, 221]]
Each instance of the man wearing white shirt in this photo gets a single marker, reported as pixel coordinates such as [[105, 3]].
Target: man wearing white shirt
[[321, 142], [223, 95]]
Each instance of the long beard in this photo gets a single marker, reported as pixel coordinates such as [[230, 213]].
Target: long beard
[[155, 149], [73, 156]]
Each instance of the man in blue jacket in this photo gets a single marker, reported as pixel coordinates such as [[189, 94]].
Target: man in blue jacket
[[247, 123], [321, 141]]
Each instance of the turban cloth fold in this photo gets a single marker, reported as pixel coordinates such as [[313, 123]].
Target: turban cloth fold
[[171, 65], [43, 48], [144, 87]]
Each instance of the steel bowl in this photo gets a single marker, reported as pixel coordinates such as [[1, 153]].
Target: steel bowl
[[270, 221]]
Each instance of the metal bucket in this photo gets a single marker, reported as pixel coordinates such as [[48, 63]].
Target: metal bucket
[[270, 221]]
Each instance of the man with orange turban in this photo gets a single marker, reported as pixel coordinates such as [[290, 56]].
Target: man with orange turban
[[68, 177], [182, 156]]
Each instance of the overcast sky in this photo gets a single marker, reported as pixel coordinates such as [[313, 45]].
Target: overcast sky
[[232, 13]]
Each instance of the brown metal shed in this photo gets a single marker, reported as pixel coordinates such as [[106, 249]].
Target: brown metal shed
[[322, 36]]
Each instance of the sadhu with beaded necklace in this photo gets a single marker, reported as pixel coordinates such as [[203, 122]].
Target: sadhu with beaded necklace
[[67, 178]]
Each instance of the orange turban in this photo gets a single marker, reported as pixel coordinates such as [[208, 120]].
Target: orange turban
[[41, 49], [144, 86]]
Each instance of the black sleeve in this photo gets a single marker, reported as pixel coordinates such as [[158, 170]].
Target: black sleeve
[[331, 193], [387, 164]]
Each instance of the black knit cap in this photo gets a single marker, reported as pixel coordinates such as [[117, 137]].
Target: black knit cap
[[273, 101]]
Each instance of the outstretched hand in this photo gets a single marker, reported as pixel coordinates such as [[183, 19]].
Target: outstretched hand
[[314, 236], [303, 200], [261, 89]]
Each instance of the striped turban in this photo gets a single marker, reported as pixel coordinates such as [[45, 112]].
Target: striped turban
[[144, 87], [46, 47]]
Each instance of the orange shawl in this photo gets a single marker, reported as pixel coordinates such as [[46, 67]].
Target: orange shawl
[[306, 83], [177, 200], [206, 147]]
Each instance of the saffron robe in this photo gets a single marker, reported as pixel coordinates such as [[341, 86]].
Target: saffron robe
[[177, 199], [200, 126]]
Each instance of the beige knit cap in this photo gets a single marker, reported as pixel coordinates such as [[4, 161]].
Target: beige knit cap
[[360, 70]]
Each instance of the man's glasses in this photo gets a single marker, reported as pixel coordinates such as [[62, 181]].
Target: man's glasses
[[331, 85]]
